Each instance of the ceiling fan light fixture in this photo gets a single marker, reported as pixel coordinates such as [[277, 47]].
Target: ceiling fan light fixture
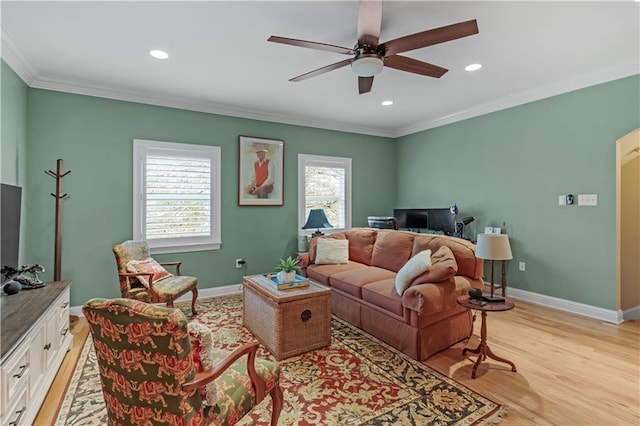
[[367, 65], [473, 67], [386, 103]]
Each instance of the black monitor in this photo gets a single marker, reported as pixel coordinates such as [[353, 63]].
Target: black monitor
[[435, 220], [442, 220]]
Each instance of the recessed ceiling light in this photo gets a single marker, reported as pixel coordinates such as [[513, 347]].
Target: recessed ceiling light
[[159, 54], [386, 103], [473, 67]]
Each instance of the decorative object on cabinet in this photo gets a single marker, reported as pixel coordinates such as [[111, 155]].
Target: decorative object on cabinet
[[149, 290], [260, 171], [317, 219], [60, 197], [494, 247], [178, 373]]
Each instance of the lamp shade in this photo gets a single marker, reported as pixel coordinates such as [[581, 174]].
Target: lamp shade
[[493, 247], [317, 219]]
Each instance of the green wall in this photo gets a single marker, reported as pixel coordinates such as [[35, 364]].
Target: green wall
[[94, 138], [506, 166], [511, 166], [13, 142]]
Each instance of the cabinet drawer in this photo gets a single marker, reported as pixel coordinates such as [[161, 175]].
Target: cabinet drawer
[[15, 375], [16, 414]]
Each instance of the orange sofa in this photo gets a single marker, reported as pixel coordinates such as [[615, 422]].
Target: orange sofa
[[423, 320]]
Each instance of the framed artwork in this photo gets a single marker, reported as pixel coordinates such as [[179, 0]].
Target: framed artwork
[[260, 171]]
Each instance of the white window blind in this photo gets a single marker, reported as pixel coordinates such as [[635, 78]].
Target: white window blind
[[176, 196], [325, 183]]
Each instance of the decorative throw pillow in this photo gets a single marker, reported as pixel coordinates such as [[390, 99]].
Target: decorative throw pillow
[[201, 341], [443, 267], [412, 269], [148, 266], [331, 250]]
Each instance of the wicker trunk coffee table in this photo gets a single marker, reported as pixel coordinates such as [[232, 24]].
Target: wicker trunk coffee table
[[288, 322]]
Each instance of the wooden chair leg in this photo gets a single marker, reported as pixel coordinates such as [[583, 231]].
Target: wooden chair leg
[[193, 300], [276, 408]]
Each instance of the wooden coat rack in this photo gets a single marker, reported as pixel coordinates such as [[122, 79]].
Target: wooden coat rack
[[60, 197]]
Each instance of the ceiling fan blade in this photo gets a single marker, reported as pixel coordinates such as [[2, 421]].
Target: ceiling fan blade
[[429, 38], [311, 45], [364, 84], [403, 63], [322, 70], [369, 23]]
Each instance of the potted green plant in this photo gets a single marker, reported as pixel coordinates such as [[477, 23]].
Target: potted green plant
[[287, 269]]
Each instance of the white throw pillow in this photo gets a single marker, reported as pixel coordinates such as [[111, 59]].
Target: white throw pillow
[[331, 250], [410, 271]]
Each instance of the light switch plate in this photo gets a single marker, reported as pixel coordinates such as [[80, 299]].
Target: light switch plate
[[562, 200], [588, 199]]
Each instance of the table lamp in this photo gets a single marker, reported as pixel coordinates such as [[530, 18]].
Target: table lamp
[[494, 247], [317, 219]]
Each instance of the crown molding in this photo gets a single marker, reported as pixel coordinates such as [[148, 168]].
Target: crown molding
[[90, 89], [625, 70], [13, 56]]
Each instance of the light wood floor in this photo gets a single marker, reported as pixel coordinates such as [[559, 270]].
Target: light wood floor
[[572, 370]]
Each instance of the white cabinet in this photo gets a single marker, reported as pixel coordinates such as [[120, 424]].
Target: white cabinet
[[36, 350]]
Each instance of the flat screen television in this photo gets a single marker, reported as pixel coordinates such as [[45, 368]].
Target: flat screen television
[[10, 203], [442, 220]]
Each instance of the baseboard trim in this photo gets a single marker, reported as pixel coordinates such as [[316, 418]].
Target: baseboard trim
[[202, 293], [607, 315], [631, 314]]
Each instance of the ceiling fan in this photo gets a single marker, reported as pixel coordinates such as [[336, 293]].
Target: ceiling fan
[[368, 56]]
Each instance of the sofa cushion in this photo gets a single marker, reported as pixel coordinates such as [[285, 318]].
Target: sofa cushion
[[361, 241], [463, 250], [443, 267], [383, 294], [322, 273], [313, 244], [417, 265], [332, 250], [392, 249], [352, 281]]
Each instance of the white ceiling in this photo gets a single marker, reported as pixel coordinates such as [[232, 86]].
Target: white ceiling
[[220, 60]]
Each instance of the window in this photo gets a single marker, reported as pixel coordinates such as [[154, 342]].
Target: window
[[324, 183], [176, 196]]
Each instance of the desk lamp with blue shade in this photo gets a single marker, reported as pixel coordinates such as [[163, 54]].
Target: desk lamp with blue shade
[[317, 219]]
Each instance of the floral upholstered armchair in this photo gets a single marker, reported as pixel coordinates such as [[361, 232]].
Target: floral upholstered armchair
[[144, 279], [157, 369]]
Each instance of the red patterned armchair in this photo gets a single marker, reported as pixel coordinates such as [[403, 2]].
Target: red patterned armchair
[[153, 370], [144, 279]]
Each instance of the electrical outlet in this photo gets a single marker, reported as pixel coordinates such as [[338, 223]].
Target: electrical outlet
[[522, 266], [239, 263]]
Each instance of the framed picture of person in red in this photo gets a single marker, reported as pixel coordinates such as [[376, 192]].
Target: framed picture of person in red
[[260, 171]]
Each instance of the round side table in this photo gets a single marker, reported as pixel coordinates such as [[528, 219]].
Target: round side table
[[483, 351]]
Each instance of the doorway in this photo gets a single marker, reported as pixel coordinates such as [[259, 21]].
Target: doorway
[[628, 225]]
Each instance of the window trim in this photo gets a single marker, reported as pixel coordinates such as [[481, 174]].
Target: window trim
[[305, 160], [141, 149]]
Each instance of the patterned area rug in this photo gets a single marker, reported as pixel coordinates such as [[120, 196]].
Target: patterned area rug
[[358, 380]]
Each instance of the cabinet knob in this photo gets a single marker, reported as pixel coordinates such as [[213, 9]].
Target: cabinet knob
[[47, 346], [306, 315]]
